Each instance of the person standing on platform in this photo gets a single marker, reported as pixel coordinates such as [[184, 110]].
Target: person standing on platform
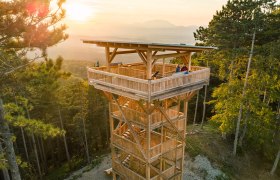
[[178, 68], [184, 68]]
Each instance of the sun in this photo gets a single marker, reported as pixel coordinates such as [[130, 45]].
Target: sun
[[78, 11]]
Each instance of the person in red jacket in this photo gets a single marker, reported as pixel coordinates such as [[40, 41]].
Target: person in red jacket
[[184, 68]]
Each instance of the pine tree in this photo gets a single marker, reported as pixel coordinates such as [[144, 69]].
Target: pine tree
[[25, 25]]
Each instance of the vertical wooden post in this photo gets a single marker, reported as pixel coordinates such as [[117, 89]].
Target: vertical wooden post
[[149, 64], [188, 60], [163, 66], [111, 122], [161, 150], [184, 135], [107, 53], [148, 169]]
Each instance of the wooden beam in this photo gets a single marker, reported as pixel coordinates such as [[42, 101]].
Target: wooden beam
[[170, 55], [116, 159], [191, 94], [142, 57], [172, 125], [144, 54], [107, 53], [113, 54], [163, 67], [149, 65], [185, 128], [155, 52], [126, 52], [195, 49], [188, 59]]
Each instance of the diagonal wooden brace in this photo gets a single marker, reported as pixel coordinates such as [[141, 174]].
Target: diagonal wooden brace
[[172, 125], [131, 130]]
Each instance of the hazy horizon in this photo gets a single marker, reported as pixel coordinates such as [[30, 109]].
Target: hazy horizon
[[162, 21]]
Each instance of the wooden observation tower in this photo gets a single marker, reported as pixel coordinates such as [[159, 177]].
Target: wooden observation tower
[[148, 105]]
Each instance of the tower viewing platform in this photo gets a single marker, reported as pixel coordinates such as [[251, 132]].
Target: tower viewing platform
[[136, 80], [148, 106]]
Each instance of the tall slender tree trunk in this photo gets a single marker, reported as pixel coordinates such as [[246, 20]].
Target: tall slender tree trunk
[[196, 105], [39, 149], [64, 137], [7, 139], [245, 128], [86, 143], [35, 148], [204, 106], [243, 95], [41, 143], [275, 163], [36, 155], [24, 143], [4, 170]]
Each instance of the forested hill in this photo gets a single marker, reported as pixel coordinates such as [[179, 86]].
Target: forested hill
[[78, 67]]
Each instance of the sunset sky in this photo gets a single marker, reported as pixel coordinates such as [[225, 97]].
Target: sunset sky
[[177, 12], [165, 21]]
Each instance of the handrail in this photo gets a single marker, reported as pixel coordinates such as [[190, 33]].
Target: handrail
[[180, 74], [140, 86], [118, 75]]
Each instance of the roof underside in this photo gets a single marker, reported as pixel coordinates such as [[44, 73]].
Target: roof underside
[[145, 46]]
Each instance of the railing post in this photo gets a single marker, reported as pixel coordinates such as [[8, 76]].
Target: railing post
[[149, 90]]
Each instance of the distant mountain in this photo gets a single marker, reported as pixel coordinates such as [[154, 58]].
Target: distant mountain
[[158, 31], [155, 24]]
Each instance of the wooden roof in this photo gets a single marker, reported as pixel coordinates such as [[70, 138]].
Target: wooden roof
[[151, 46]]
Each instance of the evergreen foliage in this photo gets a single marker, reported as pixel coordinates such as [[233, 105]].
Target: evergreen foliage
[[231, 30]]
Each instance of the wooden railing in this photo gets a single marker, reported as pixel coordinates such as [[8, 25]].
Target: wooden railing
[[124, 170], [179, 79], [122, 82], [126, 144], [133, 81], [163, 148], [141, 118]]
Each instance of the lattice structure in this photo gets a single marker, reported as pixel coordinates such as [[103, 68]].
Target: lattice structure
[[148, 105]]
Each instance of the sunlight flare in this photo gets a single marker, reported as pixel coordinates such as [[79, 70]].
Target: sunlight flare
[[78, 11]]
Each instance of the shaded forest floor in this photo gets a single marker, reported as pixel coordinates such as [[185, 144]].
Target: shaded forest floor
[[205, 149], [209, 143]]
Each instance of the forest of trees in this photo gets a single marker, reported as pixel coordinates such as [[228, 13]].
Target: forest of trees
[[52, 122], [246, 103], [45, 112]]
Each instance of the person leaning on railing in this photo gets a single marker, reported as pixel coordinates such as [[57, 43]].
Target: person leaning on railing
[[184, 69]]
